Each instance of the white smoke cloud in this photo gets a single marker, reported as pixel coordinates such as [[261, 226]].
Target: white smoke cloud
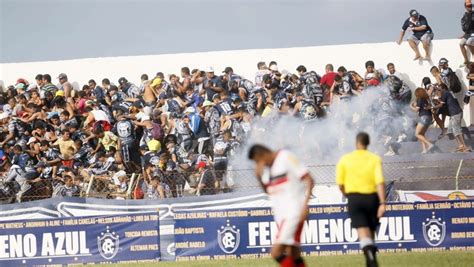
[[323, 141]]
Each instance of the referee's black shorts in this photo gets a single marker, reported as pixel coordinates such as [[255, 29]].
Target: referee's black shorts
[[363, 210]]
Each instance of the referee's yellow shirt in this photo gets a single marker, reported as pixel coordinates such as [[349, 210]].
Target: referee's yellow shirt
[[359, 172]]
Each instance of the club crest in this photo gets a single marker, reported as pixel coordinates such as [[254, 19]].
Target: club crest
[[228, 238]]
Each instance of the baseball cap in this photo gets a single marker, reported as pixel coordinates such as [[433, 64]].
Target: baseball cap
[[201, 165], [443, 61], [413, 13], [154, 145], [207, 103], [157, 81], [20, 86], [227, 70], [59, 93], [62, 76], [209, 69]]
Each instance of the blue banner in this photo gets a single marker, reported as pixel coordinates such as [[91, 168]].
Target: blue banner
[[250, 232], [78, 240]]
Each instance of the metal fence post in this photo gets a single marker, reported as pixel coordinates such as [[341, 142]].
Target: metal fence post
[[457, 174], [130, 185]]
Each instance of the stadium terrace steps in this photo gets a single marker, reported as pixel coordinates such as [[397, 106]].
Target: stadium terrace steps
[[444, 145]]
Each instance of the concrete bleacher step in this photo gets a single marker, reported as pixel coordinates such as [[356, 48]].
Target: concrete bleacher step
[[447, 144]]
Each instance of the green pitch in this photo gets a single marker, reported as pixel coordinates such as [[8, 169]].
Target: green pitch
[[411, 259]]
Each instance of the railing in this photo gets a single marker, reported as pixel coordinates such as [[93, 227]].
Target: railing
[[413, 175]]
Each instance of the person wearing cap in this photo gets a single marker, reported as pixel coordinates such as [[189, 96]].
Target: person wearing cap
[[65, 85], [467, 39], [130, 89], [446, 75], [206, 182], [106, 139], [421, 32], [212, 84]]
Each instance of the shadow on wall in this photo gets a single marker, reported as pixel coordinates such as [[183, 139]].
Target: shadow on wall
[[76, 86]]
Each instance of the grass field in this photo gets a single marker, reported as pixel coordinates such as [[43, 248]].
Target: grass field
[[412, 259]]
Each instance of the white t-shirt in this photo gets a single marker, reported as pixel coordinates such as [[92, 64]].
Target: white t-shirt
[[286, 190], [100, 115]]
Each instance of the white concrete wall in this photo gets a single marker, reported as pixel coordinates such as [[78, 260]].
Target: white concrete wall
[[244, 62]]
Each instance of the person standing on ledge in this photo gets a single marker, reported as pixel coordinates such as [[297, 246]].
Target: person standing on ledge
[[360, 178], [421, 32]]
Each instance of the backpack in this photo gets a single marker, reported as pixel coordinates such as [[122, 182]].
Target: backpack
[[454, 82], [157, 131]]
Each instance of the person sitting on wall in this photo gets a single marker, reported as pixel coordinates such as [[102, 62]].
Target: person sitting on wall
[[421, 32], [467, 39]]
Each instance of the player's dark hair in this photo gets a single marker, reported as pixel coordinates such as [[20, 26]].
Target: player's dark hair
[[363, 139], [257, 150]]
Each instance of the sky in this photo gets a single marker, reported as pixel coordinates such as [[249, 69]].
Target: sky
[[44, 30]]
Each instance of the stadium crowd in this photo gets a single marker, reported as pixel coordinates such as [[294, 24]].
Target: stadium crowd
[[179, 131]]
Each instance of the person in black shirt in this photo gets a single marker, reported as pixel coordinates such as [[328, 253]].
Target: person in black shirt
[[467, 39], [423, 107], [455, 118], [421, 32], [212, 84]]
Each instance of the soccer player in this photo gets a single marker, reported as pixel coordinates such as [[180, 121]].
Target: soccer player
[[360, 178], [289, 186]]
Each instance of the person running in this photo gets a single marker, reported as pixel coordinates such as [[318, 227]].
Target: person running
[[421, 33], [288, 184], [423, 107], [360, 178]]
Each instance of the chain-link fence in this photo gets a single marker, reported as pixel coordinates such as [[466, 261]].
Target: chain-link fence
[[413, 175]]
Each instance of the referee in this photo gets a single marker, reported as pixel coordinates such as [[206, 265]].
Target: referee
[[360, 178]]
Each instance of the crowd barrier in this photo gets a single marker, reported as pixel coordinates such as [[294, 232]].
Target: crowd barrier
[[436, 174], [124, 231]]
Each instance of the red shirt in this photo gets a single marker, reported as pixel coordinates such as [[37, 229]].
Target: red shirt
[[328, 79]]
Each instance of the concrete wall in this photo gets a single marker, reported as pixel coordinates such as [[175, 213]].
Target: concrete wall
[[352, 56]]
